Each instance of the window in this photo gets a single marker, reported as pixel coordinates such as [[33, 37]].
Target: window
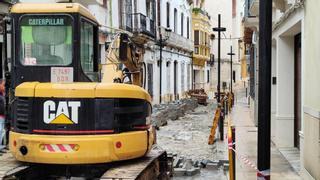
[[87, 48], [182, 77], [182, 24], [202, 37], [196, 37], [208, 76], [149, 5], [105, 3], [196, 50], [125, 14], [168, 15], [46, 40], [205, 38], [188, 28], [175, 20]]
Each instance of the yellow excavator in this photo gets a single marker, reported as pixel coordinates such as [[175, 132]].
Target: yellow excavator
[[69, 114]]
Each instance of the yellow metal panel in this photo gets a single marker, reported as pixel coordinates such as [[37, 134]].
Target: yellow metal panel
[[52, 8], [72, 90], [91, 149], [26, 89], [115, 90], [82, 90]]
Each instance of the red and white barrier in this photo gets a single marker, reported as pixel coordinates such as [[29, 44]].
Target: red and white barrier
[[59, 147]]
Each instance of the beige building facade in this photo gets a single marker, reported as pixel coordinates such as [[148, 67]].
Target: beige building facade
[[311, 89], [295, 105]]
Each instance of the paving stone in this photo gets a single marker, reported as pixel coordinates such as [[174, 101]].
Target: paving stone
[[188, 164], [226, 167], [179, 172], [212, 166], [176, 162], [193, 171]]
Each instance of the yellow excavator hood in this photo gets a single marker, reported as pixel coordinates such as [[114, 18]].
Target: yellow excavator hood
[[81, 90]]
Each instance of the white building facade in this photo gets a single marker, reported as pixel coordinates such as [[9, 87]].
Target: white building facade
[[230, 19], [176, 54]]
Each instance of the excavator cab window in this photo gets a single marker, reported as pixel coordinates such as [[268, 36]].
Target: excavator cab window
[[87, 49], [46, 41], [55, 47]]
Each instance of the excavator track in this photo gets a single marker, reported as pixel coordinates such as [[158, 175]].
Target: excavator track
[[155, 165]]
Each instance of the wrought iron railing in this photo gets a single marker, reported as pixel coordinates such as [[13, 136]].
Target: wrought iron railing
[[178, 41], [247, 6], [142, 24]]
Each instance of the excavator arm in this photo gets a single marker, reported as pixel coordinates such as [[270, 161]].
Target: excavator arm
[[124, 62]]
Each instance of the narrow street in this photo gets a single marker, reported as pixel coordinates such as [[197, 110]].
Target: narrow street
[[159, 89], [187, 137]]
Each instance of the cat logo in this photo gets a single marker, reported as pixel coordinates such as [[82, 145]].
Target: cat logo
[[63, 112]]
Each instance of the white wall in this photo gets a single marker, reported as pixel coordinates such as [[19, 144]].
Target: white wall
[[285, 92], [311, 89], [223, 7], [172, 54], [182, 6]]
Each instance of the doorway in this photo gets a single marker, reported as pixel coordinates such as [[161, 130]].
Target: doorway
[[297, 89], [175, 77], [150, 79]]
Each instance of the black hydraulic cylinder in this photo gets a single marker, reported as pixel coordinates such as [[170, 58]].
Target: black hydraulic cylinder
[[264, 92]]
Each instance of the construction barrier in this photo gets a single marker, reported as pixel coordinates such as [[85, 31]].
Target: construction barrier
[[214, 125], [223, 109], [231, 152]]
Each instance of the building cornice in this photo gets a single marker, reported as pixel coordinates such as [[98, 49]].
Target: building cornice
[[288, 13]]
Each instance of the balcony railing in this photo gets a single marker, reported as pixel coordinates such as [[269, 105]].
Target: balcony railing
[[140, 24], [250, 8], [179, 41]]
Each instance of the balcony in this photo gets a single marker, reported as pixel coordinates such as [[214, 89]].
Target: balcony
[[198, 11], [142, 27], [251, 11], [254, 7], [178, 41]]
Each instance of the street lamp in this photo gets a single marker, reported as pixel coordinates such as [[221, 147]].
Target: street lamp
[[231, 54], [219, 29], [162, 42]]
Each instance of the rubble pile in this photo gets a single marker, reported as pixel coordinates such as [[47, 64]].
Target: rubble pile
[[172, 111], [187, 167], [200, 94]]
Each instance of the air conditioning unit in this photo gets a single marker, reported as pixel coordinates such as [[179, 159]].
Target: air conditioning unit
[[255, 37]]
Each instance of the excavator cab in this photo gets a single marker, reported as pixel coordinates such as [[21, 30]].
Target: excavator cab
[[54, 46]]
